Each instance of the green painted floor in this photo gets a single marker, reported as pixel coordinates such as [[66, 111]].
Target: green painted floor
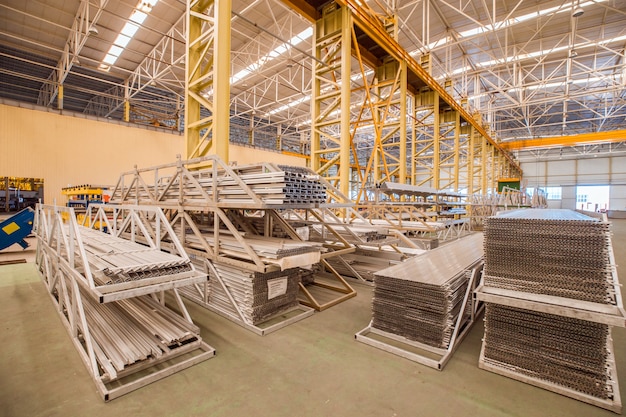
[[311, 368]]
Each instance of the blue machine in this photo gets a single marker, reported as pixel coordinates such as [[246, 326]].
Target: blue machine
[[16, 228]]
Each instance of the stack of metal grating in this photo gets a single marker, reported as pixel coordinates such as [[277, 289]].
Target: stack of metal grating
[[549, 253], [420, 299], [565, 351], [258, 295], [553, 252]]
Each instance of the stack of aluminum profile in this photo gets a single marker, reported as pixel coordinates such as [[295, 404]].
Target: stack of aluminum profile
[[565, 351], [258, 295], [290, 185], [420, 299], [554, 252], [114, 260]]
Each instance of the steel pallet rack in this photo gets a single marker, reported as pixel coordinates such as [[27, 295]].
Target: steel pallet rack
[[109, 289]]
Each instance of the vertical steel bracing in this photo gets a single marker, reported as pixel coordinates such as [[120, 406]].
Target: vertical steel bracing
[[357, 120], [207, 78]]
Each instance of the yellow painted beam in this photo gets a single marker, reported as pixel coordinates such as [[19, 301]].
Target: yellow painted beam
[[561, 141], [375, 30]]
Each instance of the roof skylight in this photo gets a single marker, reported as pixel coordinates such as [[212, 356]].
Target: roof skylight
[[126, 34]]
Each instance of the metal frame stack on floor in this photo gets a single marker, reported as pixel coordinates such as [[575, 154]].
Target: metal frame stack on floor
[[427, 303], [214, 206], [552, 295], [109, 290]]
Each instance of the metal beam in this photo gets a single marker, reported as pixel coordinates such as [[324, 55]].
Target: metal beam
[[562, 141], [79, 33]]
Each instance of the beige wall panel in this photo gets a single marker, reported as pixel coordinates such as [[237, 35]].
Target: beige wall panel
[[243, 155], [72, 151], [65, 150]]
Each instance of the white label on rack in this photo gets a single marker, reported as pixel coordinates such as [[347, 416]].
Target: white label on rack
[[276, 287]]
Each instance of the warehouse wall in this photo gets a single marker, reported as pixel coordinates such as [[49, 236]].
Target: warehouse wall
[[602, 170], [66, 150]]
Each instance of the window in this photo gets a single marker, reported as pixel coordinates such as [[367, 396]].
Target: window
[[581, 198], [553, 193]]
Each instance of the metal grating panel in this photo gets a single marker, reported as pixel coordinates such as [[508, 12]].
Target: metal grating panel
[[421, 298], [552, 252]]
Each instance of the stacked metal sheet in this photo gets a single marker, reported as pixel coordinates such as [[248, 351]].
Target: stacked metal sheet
[[542, 254], [420, 299], [553, 252], [569, 352], [258, 296]]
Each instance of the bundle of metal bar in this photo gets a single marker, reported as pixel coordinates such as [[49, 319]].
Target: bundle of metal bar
[[271, 250], [114, 260], [568, 352], [420, 299], [150, 330], [257, 295], [553, 252], [364, 263]]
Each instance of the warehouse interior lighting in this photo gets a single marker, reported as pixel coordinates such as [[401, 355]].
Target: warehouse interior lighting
[[139, 15], [273, 54], [481, 30]]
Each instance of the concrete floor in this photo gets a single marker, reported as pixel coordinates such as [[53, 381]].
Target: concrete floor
[[311, 368]]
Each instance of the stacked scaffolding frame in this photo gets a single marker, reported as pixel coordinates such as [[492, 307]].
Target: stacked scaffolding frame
[[109, 290]]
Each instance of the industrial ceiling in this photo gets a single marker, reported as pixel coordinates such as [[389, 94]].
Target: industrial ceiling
[[532, 69]]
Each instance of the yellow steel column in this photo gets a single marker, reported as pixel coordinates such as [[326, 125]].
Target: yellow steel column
[[60, 97], [413, 139], [315, 93], [346, 91], [470, 160], [221, 78], [127, 111], [193, 94], [483, 165], [436, 142], [402, 171], [457, 149], [494, 164]]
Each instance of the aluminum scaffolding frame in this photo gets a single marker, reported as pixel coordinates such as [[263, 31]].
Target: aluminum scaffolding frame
[[109, 290]]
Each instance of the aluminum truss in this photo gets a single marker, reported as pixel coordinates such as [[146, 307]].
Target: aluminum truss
[[214, 209], [109, 290]]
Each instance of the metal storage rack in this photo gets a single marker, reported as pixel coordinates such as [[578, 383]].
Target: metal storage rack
[[418, 211], [213, 207], [427, 303], [559, 282], [109, 290]]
